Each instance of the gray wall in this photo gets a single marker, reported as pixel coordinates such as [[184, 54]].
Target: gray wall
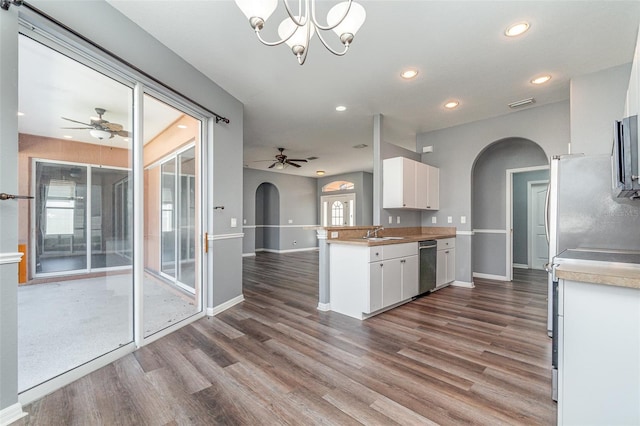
[[407, 217], [363, 188], [597, 99], [521, 211], [298, 203], [137, 47], [455, 151], [488, 199]]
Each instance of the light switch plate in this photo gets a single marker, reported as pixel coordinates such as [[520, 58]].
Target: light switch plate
[[398, 219], [434, 219], [449, 219], [290, 220], [463, 219], [234, 222]]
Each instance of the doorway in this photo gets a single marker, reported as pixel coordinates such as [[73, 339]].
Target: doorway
[[338, 210], [267, 204], [538, 244]]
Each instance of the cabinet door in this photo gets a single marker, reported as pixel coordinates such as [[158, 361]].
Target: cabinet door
[[398, 183], [375, 287], [451, 265], [433, 188], [422, 186], [441, 267], [410, 273], [391, 282]]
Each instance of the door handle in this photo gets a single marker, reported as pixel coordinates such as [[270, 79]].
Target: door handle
[[5, 196], [206, 242]]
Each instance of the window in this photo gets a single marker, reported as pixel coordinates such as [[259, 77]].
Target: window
[[338, 185], [60, 204], [337, 213]]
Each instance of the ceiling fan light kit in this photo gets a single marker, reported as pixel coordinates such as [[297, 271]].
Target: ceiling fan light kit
[[100, 134], [344, 19]]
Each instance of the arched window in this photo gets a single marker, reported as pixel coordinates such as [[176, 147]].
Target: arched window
[[338, 185], [337, 214]]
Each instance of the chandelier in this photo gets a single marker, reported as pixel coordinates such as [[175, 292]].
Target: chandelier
[[344, 19]]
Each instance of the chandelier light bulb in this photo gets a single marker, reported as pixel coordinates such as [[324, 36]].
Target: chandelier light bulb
[[257, 11], [298, 41], [351, 23]]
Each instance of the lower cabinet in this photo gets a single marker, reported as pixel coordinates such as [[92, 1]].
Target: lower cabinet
[[445, 261], [365, 280]]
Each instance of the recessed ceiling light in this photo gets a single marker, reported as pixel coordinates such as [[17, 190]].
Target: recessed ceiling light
[[20, 114], [451, 104], [68, 137], [409, 74], [341, 108], [541, 80], [182, 126], [516, 29], [320, 172]]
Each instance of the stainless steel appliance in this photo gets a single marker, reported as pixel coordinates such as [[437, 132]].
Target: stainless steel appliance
[[428, 251], [584, 215], [626, 158]]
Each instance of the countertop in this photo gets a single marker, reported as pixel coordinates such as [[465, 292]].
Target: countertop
[[616, 268], [354, 236]]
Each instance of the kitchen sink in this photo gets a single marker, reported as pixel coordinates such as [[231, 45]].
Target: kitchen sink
[[384, 238]]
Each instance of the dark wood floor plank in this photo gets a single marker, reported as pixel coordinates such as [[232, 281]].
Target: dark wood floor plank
[[456, 356]]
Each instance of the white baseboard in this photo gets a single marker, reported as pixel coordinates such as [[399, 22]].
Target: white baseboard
[[287, 251], [224, 306], [490, 276], [521, 266], [248, 254], [463, 284], [324, 307], [11, 414]]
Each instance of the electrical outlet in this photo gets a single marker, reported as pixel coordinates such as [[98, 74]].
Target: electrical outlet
[[398, 219], [390, 219], [449, 219], [334, 234], [295, 242], [244, 221], [463, 219], [434, 219]]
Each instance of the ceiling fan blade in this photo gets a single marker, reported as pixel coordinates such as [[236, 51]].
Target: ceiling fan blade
[[114, 127], [293, 164], [273, 165], [77, 128], [298, 160], [122, 133], [76, 121]]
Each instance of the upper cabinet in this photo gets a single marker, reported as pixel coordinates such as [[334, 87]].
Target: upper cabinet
[[409, 184]]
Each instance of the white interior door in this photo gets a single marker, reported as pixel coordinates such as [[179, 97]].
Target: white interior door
[[538, 246], [338, 210]]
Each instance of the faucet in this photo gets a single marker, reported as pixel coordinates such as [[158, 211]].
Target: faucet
[[373, 232]]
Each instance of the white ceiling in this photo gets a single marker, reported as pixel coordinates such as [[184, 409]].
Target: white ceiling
[[458, 46]]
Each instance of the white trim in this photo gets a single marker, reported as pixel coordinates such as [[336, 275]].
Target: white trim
[[249, 226], [10, 258], [530, 234], [70, 376], [469, 233], [324, 307], [490, 276], [489, 231], [285, 226], [225, 236], [463, 284], [287, 251], [11, 414], [520, 266], [248, 254], [224, 306]]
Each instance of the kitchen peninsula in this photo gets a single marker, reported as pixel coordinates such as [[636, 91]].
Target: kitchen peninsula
[[371, 275]]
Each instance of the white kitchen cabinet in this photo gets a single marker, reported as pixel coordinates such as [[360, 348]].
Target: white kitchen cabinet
[[366, 280], [409, 184], [598, 354], [445, 261]]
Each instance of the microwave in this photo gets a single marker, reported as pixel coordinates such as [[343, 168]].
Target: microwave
[[625, 167]]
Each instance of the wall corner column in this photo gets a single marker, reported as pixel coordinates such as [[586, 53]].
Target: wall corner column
[[324, 298]]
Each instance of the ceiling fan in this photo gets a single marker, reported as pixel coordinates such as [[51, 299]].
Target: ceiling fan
[[100, 128], [282, 161]]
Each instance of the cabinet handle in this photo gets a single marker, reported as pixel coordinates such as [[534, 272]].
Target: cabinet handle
[[377, 254]]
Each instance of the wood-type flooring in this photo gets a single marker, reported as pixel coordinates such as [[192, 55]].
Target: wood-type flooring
[[457, 356]]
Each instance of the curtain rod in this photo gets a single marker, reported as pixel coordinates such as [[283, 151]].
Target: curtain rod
[[4, 4]]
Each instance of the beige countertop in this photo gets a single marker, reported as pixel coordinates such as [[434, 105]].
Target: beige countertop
[[621, 275], [355, 235]]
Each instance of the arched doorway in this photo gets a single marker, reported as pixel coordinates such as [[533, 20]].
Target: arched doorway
[[267, 218], [495, 209]]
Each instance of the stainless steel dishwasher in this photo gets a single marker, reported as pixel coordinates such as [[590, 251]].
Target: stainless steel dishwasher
[[427, 251]]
